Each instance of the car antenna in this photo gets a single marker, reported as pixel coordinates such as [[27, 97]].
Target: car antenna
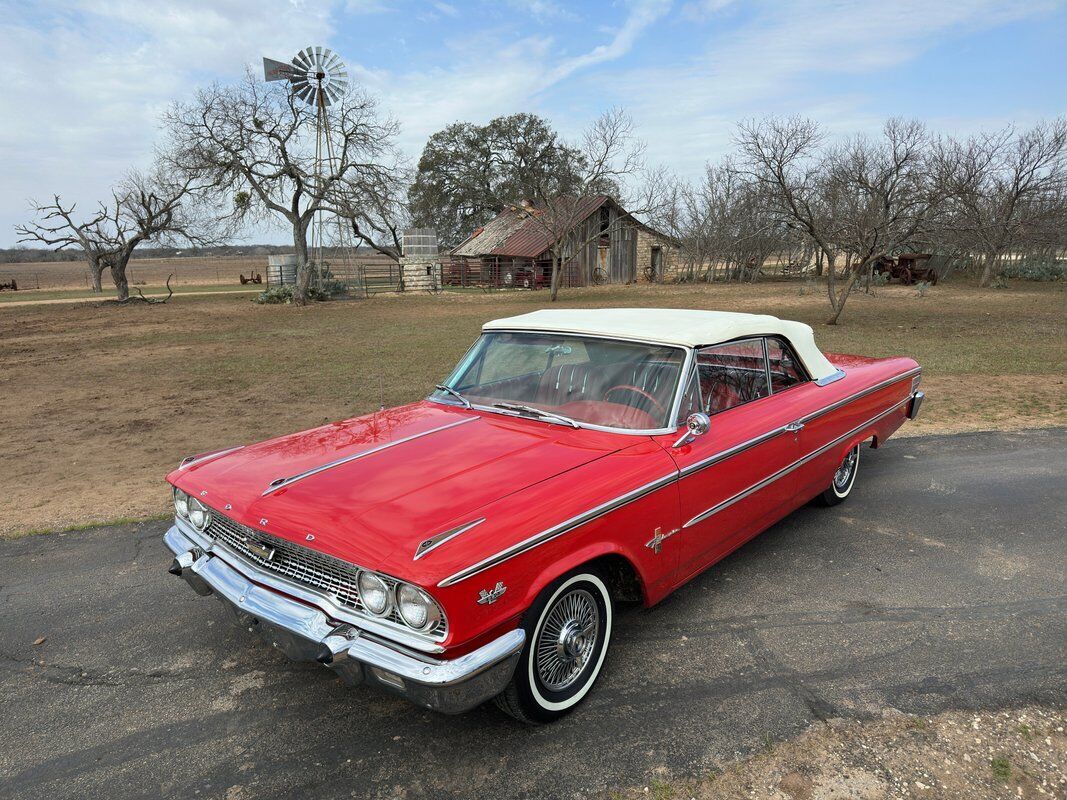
[[381, 393]]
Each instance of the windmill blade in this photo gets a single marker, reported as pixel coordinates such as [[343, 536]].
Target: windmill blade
[[332, 94], [300, 61], [276, 70]]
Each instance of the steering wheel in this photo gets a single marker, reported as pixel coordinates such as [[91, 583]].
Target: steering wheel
[[640, 393]]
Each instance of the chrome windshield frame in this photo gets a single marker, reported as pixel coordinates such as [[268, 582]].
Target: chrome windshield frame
[[676, 400]]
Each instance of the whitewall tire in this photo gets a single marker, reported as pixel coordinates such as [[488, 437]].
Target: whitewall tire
[[844, 478], [568, 630]]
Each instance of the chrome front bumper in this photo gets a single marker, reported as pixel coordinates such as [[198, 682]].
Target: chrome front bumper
[[305, 633]]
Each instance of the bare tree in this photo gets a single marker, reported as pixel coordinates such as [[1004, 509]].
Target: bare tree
[[376, 210], [863, 199], [1003, 189], [784, 156], [257, 141], [145, 208], [57, 227]]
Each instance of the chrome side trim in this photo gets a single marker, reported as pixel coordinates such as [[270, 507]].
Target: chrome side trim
[[558, 530], [869, 390], [281, 483], [190, 461], [833, 376], [722, 506], [741, 447], [428, 545], [611, 505]]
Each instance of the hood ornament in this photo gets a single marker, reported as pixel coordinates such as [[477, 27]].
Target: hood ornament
[[486, 597]]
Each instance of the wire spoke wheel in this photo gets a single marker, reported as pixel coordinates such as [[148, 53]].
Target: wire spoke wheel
[[844, 473], [568, 639]]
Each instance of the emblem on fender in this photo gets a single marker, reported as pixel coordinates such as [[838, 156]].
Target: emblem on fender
[[486, 597], [655, 544]]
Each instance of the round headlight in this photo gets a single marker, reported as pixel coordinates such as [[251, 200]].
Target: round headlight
[[374, 592], [199, 514], [416, 608], [181, 503]]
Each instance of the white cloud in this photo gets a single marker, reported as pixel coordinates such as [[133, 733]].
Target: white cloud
[[544, 10], [776, 62], [520, 78], [85, 82]]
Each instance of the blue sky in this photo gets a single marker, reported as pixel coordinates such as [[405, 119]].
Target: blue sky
[[84, 81]]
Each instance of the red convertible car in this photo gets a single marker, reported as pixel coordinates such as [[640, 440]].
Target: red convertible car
[[473, 545]]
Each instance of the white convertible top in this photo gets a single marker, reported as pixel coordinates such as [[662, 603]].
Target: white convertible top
[[674, 326]]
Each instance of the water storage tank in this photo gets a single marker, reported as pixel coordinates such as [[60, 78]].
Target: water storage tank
[[281, 270]]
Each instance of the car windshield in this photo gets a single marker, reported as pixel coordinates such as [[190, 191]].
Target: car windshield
[[559, 377]]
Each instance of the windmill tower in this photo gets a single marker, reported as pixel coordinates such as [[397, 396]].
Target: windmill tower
[[317, 76]]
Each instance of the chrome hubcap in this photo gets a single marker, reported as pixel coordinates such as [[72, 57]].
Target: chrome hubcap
[[844, 472], [568, 639]]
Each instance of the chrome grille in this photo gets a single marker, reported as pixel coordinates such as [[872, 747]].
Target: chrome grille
[[331, 576]]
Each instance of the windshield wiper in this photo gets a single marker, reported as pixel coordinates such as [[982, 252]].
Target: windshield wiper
[[449, 390], [537, 412]]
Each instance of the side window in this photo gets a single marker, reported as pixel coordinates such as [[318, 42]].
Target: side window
[[731, 374], [785, 368], [690, 399]]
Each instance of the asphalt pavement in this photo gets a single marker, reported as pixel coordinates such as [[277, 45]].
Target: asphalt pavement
[[941, 584]]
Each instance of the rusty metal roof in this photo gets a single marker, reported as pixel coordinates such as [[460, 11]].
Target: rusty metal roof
[[516, 232]]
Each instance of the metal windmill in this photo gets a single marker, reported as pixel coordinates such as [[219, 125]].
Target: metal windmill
[[317, 76]]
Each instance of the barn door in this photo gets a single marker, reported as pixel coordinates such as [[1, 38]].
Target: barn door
[[624, 255]]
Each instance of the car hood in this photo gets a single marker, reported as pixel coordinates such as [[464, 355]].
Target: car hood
[[412, 472]]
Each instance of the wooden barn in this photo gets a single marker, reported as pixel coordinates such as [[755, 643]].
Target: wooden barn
[[598, 241]]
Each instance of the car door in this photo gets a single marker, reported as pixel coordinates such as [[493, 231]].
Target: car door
[[727, 486]]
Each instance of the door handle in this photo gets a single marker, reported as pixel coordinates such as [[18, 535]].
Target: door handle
[[793, 427]]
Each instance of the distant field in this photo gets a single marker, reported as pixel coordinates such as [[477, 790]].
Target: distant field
[[98, 402], [144, 272]]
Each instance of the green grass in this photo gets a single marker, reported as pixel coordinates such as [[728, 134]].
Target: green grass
[[1001, 767]]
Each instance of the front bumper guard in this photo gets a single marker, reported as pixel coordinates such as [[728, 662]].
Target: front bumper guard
[[304, 633]]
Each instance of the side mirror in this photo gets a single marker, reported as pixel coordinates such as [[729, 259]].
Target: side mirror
[[696, 424]]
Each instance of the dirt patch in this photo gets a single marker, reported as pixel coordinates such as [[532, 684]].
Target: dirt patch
[[978, 756], [99, 402]]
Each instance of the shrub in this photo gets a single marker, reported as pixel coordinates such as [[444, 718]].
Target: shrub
[[275, 295], [1034, 269]]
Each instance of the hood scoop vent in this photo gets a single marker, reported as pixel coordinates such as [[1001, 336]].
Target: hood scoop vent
[[426, 545]]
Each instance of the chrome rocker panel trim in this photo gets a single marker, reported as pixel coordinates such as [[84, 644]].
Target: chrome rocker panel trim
[[304, 633]]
